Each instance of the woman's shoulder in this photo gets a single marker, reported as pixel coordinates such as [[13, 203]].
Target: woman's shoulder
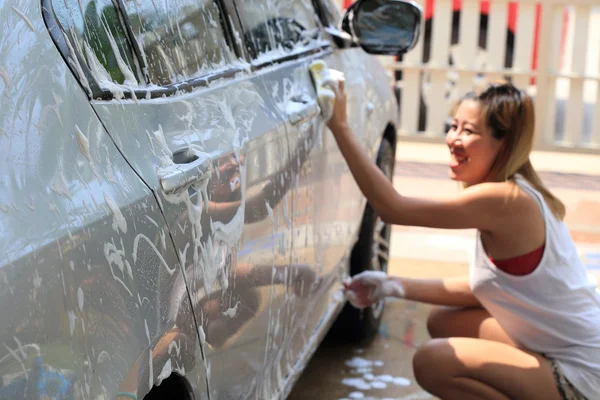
[[508, 194], [493, 189]]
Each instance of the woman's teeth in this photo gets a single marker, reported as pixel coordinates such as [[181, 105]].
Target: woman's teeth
[[458, 160]]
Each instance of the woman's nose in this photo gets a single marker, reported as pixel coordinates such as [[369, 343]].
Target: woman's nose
[[451, 136]]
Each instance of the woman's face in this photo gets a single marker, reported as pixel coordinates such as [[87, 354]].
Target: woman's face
[[473, 149]]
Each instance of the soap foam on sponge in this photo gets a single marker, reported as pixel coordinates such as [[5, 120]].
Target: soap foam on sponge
[[326, 83]]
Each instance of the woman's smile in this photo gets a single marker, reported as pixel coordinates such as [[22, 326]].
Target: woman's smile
[[458, 157]]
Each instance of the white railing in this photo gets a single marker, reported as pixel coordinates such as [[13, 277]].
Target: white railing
[[564, 83]]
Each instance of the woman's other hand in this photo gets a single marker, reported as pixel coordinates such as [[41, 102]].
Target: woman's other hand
[[370, 287]]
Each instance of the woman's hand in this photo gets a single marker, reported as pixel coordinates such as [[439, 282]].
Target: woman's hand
[[339, 118], [370, 287]]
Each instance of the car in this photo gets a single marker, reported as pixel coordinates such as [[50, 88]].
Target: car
[[175, 218]]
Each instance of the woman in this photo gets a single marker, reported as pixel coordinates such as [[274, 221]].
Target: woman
[[525, 324]]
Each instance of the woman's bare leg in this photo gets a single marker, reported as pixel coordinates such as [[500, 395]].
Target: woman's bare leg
[[465, 369], [477, 323]]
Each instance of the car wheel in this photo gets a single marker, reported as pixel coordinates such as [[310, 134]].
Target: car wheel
[[370, 253]]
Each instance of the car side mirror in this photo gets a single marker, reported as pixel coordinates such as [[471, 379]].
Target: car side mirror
[[384, 27]]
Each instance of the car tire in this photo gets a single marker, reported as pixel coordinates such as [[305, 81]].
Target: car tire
[[370, 253]]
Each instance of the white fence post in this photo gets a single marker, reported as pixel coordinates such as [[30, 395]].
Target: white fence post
[[411, 88], [547, 69], [496, 38], [550, 104]]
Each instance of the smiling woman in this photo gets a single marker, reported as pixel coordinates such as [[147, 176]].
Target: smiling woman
[[527, 305], [499, 123]]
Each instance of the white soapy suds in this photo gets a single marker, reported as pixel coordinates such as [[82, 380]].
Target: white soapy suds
[[233, 184], [358, 362], [171, 271], [368, 381], [357, 383], [232, 312], [384, 378], [175, 345], [130, 79], [150, 360], [183, 255], [37, 280], [72, 319], [163, 239], [102, 76], [378, 385], [141, 300], [84, 144], [202, 336], [164, 373], [116, 257], [102, 356], [153, 222], [18, 359], [119, 221], [74, 62], [6, 78], [46, 110], [270, 211], [356, 395], [24, 18], [399, 381], [62, 277], [165, 156], [416, 396], [20, 348], [80, 298], [59, 183]]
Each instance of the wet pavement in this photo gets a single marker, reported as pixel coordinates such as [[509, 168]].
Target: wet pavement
[[380, 370], [383, 369]]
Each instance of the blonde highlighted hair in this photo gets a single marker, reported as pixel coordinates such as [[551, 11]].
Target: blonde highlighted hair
[[509, 115]]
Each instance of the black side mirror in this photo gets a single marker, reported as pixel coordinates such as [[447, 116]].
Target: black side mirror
[[385, 27]]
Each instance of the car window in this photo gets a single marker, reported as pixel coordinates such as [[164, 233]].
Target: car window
[[278, 26], [96, 35], [178, 39]]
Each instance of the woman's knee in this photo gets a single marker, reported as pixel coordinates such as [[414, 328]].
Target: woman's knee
[[430, 363]]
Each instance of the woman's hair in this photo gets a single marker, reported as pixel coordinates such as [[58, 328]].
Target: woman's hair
[[509, 115]]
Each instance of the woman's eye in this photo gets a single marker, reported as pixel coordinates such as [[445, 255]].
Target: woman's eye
[[453, 127]]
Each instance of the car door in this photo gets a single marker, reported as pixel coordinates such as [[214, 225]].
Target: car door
[[285, 39], [202, 133], [91, 297]]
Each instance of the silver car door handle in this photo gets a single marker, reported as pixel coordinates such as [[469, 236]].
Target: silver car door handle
[[299, 110], [180, 176]]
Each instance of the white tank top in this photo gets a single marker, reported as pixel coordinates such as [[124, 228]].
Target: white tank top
[[555, 310]]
